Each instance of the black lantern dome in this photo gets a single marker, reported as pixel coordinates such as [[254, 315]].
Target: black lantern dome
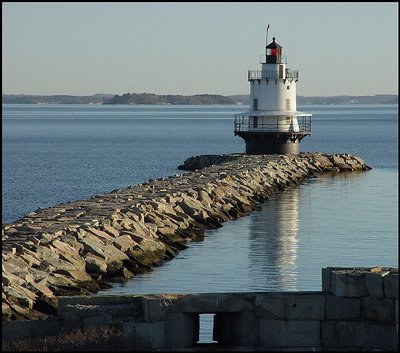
[[274, 53]]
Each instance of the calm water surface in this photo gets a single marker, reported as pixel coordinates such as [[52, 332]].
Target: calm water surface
[[55, 154], [348, 220]]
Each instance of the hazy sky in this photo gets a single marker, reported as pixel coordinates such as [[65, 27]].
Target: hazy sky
[[191, 48]]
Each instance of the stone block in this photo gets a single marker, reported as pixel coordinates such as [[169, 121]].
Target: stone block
[[249, 328], [146, 335], [380, 336], [338, 308], [236, 329], [346, 283], [377, 309], [212, 303], [73, 313], [272, 333], [326, 280], [281, 334], [155, 309], [98, 299], [16, 330], [302, 349], [374, 284], [305, 307], [46, 328], [342, 334], [391, 285], [96, 321], [74, 309], [270, 306], [181, 330]]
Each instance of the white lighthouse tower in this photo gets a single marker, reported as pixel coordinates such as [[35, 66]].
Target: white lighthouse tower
[[273, 125]]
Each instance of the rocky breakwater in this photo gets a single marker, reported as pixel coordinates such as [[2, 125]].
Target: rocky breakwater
[[75, 248]]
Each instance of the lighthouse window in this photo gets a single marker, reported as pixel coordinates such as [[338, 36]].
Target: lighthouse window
[[274, 51], [287, 104], [255, 121], [255, 104], [288, 87]]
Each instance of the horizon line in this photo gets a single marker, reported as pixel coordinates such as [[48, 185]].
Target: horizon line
[[196, 94]]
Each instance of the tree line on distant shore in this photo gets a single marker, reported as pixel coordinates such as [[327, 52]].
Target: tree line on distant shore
[[198, 99], [151, 98]]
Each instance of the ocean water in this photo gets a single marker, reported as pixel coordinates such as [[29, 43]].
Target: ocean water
[[57, 153]]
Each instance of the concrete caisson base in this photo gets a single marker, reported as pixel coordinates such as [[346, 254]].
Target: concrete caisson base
[[263, 143]]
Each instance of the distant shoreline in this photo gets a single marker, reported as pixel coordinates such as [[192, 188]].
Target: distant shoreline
[[199, 99]]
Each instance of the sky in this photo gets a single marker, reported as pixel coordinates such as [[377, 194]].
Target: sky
[[82, 48]]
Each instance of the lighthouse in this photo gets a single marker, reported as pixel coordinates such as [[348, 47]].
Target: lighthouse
[[273, 125]]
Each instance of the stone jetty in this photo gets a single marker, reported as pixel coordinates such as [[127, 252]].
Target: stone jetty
[[77, 247]]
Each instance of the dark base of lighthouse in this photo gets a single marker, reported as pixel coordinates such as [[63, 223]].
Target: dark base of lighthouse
[[259, 143]]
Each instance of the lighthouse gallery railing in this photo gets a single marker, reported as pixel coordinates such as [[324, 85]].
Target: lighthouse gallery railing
[[245, 123], [271, 74]]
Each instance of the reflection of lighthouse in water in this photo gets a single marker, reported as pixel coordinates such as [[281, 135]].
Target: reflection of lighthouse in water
[[273, 241]]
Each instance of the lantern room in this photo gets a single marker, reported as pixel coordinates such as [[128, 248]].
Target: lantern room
[[274, 53]]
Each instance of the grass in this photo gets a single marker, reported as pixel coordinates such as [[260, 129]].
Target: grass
[[98, 339]]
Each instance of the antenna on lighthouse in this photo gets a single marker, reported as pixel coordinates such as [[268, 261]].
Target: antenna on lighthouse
[[266, 37]]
